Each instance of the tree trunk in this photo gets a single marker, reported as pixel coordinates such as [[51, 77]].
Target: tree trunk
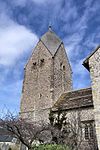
[[30, 148]]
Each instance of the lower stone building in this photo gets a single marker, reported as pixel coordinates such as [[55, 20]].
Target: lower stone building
[[92, 63], [48, 85], [79, 109]]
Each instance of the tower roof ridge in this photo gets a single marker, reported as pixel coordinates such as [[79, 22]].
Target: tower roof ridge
[[51, 40]]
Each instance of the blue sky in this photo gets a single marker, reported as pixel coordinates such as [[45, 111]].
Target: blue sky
[[22, 22]]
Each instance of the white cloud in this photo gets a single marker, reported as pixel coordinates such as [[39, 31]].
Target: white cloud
[[15, 40], [92, 39], [72, 44], [3, 75], [74, 41]]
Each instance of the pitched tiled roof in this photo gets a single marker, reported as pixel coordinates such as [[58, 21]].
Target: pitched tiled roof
[[75, 99], [51, 41]]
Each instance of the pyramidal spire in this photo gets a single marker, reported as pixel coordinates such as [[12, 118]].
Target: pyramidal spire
[[51, 40]]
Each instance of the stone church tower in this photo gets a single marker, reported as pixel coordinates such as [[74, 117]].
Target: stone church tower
[[47, 75]]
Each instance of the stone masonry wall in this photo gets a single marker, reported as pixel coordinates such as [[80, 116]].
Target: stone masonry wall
[[36, 94], [94, 65], [78, 117], [62, 73]]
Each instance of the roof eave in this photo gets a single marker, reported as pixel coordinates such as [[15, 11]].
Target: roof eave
[[86, 61], [72, 108], [86, 64]]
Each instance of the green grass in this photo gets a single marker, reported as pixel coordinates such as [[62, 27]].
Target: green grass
[[51, 147]]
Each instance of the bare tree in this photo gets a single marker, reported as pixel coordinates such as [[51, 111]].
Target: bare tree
[[26, 132], [66, 130], [63, 129]]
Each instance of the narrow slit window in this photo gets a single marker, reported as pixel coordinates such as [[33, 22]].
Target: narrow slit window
[[64, 68]]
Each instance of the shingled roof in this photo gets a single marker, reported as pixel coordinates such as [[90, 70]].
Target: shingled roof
[[51, 41], [74, 99]]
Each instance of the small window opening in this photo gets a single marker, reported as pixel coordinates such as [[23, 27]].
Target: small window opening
[[89, 131], [60, 64], [34, 65], [63, 67], [40, 95], [41, 62]]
